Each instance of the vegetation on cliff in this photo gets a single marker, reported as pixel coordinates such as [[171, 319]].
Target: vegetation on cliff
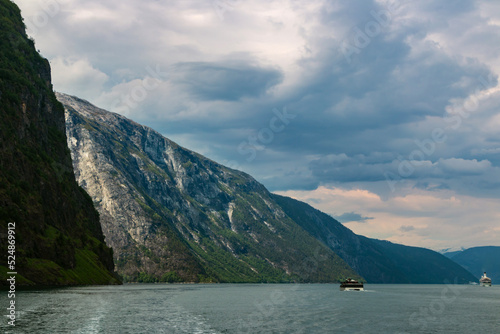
[[59, 240]]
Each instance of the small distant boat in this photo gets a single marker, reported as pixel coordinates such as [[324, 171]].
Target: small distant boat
[[351, 284], [485, 280]]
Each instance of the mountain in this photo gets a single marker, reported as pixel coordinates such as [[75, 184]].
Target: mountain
[[171, 214], [480, 259], [423, 265], [450, 252], [57, 235], [377, 261]]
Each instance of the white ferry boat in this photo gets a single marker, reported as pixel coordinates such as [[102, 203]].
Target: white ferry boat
[[485, 280], [351, 284]]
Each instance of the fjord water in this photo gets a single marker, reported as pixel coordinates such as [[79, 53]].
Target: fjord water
[[258, 308]]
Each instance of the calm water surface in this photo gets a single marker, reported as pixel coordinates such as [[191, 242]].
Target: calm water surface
[[254, 308]]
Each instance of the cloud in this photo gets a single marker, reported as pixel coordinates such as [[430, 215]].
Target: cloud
[[384, 167], [348, 217], [412, 68], [486, 151], [213, 81], [407, 228], [435, 219], [464, 167], [77, 77]]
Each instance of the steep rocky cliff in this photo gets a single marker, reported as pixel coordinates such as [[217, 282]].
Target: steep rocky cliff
[[59, 240], [171, 214]]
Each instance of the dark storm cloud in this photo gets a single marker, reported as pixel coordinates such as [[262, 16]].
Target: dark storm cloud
[[213, 81], [407, 228], [474, 177], [359, 110], [352, 217], [368, 82]]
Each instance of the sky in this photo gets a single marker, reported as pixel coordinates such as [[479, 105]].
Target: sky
[[383, 114]]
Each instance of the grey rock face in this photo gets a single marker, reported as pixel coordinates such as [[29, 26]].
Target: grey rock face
[[166, 209]]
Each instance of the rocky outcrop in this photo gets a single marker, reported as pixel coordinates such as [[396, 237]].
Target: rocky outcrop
[[58, 237], [170, 213]]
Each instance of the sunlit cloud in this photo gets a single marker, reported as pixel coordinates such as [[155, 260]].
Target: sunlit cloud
[[434, 219]]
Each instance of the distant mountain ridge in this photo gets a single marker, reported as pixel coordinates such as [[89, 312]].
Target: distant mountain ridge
[[378, 261], [451, 254], [171, 214], [478, 260]]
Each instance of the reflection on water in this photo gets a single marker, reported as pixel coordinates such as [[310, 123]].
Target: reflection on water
[[254, 308]]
